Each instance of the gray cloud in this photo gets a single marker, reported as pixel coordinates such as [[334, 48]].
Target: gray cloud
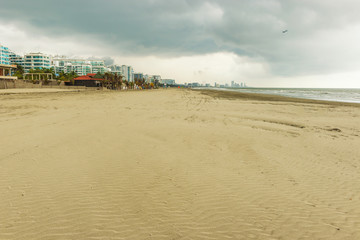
[[190, 27]]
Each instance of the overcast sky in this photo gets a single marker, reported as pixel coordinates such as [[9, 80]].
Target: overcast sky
[[199, 41]]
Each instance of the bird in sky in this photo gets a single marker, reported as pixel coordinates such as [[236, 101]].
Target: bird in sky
[[285, 31]]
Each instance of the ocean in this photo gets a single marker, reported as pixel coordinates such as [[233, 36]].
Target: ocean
[[329, 94]]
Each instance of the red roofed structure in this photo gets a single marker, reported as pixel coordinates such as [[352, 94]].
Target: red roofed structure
[[87, 81]]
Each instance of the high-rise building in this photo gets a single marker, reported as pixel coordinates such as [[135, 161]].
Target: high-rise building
[[4, 55], [98, 66], [115, 69], [130, 74], [124, 72], [36, 61]]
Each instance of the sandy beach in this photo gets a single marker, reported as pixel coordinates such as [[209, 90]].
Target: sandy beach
[[177, 164]]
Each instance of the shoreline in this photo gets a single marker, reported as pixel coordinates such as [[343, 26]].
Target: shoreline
[[269, 97]]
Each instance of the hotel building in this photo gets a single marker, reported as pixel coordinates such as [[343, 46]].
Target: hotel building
[[4, 55], [98, 66], [16, 59], [36, 61]]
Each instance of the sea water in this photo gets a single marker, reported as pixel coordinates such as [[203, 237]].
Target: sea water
[[328, 94]]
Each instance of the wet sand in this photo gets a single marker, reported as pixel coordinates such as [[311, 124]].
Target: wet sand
[[177, 164]]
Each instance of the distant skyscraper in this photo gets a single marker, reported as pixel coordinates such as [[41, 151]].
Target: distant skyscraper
[[124, 71], [127, 73], [130, 74]]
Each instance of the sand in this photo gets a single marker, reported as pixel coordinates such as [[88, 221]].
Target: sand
[[177, 164]]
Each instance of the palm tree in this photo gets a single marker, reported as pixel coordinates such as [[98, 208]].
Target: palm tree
[[117, 81], [67, 77], [19, 71]]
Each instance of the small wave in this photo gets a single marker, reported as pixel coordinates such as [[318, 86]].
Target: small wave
[[340, 95]]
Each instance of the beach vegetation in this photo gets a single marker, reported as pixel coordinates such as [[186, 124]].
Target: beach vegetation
[[111, 80], [19, 72], [67, 77]]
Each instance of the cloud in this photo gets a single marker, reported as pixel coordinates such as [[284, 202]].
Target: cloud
[[322, 39]]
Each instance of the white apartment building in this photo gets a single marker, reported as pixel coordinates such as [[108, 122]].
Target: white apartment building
[[79, 66], [131, 74], [127, 72], [16, 59], [124, 72], [36, 61], [4, 55], [98, 66], [116, 69]]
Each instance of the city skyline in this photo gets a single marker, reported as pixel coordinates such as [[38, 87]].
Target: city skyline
[[63, 64], [81, 66], [266, 44]]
